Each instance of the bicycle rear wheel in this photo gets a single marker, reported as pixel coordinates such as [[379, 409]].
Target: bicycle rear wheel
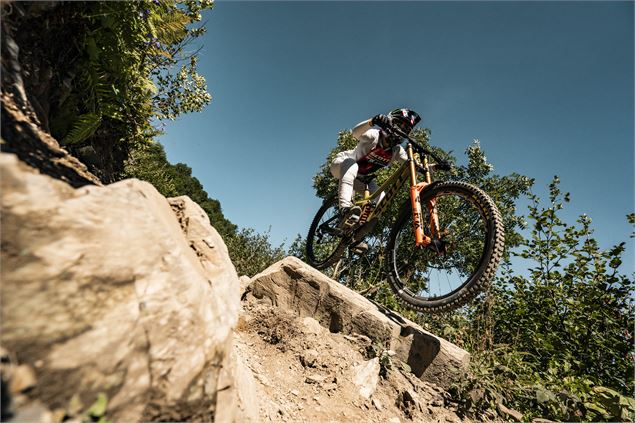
[[461, 261], [324, 242]]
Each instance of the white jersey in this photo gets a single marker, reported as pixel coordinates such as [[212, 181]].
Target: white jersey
[[368, 153]]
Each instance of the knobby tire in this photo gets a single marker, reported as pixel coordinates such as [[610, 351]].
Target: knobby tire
[[313, 238], [477, 280]]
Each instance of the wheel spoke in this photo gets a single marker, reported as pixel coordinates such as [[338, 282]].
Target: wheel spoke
[[324, 238], [429, 273]]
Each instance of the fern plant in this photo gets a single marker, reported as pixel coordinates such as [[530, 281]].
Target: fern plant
[[121, 74], [83, 128]]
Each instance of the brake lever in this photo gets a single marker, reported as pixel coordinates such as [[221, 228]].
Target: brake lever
[[440, 164]]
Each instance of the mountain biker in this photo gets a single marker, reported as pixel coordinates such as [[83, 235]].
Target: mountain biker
[[376, 148]]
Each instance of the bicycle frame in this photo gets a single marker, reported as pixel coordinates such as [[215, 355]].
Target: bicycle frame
[[371, 208], [433, 269]]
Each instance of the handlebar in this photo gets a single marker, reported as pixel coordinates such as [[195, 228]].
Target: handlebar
[[441, 164]]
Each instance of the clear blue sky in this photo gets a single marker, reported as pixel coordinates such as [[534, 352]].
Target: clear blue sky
[[547, 87]]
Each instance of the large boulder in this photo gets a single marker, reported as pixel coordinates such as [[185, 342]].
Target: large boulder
[[296, 286], [105, 290]]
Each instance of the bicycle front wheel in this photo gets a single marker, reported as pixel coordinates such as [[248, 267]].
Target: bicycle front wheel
[[463, 257], [324, 242]]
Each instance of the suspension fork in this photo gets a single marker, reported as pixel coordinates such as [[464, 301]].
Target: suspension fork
[[421, 239]]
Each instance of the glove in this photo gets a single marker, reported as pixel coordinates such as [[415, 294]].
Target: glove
[[382, 121]]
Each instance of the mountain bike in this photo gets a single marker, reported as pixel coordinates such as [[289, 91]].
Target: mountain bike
[[444, 246]]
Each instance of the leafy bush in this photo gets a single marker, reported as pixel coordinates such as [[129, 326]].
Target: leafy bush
[[564, 331], [100, 74], [251, 252]]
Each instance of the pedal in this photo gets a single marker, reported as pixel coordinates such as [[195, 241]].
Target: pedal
[[359, 248], [350, 221], [352, 218]]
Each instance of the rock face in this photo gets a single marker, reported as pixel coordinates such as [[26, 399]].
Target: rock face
[[307, 374], [22, 136], [293, 285], [117, 297], [105, 291]]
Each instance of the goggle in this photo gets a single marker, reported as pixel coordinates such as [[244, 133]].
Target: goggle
[[403, 125]]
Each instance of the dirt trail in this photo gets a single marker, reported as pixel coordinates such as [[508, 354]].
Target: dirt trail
[[304, 373]]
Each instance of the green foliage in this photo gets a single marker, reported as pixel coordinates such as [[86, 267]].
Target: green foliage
[[84, 127], [110, 71], [97, 411], [130, 52], [568, 325], [579, 300], [504, 190], [298, 248], [631, 219], [494, 378], [180, 93], [251, 252]]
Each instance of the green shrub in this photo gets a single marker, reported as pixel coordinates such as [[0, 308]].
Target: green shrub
[[563, 332]]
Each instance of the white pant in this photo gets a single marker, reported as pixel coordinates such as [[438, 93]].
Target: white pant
[[345, 169]]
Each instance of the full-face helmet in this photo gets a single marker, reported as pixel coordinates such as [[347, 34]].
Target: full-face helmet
[[404, 119]]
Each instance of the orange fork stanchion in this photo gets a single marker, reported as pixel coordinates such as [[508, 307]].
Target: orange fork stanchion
[[415, 189]]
